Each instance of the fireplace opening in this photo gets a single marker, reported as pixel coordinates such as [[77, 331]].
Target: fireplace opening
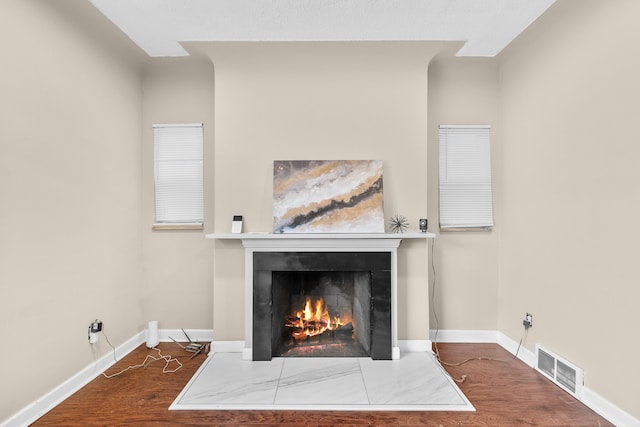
[[321, 313], [353, 286]]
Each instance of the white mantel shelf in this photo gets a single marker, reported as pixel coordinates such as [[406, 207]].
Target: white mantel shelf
[[318, 242], [319, 236]]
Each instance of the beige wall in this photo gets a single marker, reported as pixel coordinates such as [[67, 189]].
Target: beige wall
[[77, 184], [177, 264], [464, 91], [283, 101], [70, 247], [570, 99]]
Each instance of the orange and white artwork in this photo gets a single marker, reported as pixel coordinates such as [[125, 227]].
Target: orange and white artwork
[[327, 196]]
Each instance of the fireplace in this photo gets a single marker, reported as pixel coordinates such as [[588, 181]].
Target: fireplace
[[322, 304], [321, 313], [358, 244]]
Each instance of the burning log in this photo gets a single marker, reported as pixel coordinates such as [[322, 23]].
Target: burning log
[[297, 322], [312, 321]]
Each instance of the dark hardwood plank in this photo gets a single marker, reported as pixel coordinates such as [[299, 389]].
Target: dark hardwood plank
[[504, 391]]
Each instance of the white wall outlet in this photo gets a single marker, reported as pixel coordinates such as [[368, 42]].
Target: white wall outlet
[[94, 328], [528, 320], [93, 336]]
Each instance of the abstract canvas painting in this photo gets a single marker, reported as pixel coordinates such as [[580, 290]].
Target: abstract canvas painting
[[327, 196]]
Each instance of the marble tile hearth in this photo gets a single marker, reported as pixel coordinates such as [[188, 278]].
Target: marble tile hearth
[[415, 382]]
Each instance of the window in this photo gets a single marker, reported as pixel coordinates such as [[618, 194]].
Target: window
[[465, 177], [178, 175]]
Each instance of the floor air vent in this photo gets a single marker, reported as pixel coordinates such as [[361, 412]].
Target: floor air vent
[[565, 374]]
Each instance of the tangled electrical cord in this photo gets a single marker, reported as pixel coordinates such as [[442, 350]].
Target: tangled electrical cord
[[435, 338], [148, 360]]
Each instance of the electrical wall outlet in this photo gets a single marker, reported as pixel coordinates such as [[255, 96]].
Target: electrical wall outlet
[[94, 328], [528, 320]]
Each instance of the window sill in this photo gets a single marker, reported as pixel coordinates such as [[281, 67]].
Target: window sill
[[189, 226], [458, 229]]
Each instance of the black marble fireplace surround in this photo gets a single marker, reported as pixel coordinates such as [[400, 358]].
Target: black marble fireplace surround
[[376, 265]]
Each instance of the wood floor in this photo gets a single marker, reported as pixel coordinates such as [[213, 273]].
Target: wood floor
[[505, 392]]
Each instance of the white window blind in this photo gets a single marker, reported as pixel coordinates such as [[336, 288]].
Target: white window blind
[[178, 173], [465, 177]]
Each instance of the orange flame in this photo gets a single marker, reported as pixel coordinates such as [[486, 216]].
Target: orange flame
[[313, 319]]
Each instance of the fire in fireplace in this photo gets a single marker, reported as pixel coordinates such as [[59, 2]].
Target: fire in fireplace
[[321, 313], [321, 304], [312, 331], [314, 320]]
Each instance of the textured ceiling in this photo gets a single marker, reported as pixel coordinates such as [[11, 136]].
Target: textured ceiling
[[485, 26]]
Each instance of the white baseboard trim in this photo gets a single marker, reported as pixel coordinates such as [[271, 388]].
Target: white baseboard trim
[[228, 347], [415, 346], [197, 335], [592, 400], [44, 404], [608, 410], [523, 353]]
